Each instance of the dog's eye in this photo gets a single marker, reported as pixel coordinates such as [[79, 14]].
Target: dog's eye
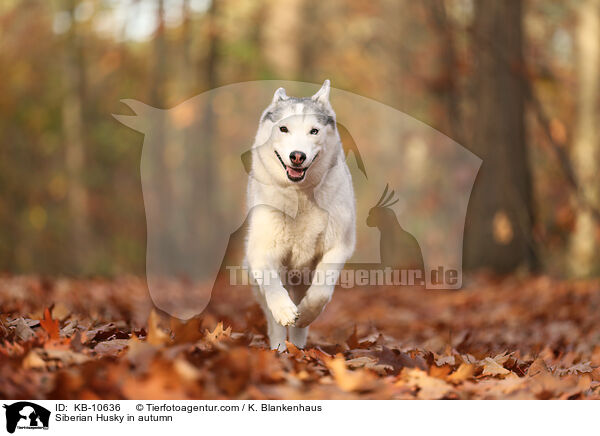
[[314, 131], [283, 129]]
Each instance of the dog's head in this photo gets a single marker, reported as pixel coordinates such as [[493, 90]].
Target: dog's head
[[295, 134]]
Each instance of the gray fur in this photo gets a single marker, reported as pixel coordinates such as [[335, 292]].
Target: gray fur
[[277, 110]]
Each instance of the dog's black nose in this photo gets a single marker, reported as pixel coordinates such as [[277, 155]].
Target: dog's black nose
[[297, 157]]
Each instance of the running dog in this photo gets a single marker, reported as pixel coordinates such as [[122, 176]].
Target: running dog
[[302, 212]]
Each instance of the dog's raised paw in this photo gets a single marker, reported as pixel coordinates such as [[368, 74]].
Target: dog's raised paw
[[285, 312]]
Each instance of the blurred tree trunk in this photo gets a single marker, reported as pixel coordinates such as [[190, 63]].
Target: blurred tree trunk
[[283, 37], [187, 81], [448, 79], [159, 70], [158, 81], [583, 250], [310, 37], [392, 35], [498, 232], [207, 164], [212, 59], [73, 130]]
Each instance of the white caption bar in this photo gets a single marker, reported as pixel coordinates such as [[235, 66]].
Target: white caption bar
[[299, 417]]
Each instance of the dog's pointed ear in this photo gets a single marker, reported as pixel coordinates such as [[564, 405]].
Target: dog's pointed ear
[[279, 95], [322, 95]]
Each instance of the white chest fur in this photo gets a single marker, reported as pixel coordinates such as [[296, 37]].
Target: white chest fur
[[302, 237]]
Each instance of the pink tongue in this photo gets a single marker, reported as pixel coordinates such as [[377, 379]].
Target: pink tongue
[[293, 172]]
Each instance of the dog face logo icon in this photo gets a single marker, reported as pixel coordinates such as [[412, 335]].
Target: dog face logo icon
[[26, 415]]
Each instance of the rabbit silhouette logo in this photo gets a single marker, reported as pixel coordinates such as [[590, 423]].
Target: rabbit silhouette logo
[[26, 415]]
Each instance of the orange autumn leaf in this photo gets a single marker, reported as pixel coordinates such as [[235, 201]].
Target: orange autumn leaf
[[429, 388], [50, 325], [188, 331], [347, 380], [218, 334], [156, 336], [464, 372], [440, 371], [294, 351]]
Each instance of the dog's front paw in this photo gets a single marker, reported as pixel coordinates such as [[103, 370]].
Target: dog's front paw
[[306, 315], [283, 309], [313, 304]]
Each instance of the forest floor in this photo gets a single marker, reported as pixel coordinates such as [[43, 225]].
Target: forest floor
[[512, 338]]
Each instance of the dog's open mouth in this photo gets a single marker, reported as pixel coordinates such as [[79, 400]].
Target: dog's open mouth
[[295, 174]]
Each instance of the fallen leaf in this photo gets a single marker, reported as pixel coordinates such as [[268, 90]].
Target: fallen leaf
[[429, 388], [67, 357], [294, 351], [140, 353], [445, 360], [398, 360], [369, 363], [109, 331], [440, 371], [60, 311], [464, 372], [112, 348], [538, 366], [346, 379], [186, 332], [186, 370], [51, 326], [491, 367], [156, 336], [218, 334], [22, 330], [33, 361], [580, 368]]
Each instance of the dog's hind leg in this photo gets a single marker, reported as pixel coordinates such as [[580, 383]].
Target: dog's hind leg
[[298, 336]]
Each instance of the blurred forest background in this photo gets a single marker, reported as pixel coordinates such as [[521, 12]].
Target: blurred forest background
[[516, 82]]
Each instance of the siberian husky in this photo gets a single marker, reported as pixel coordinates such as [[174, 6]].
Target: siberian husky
[[302, 213]]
